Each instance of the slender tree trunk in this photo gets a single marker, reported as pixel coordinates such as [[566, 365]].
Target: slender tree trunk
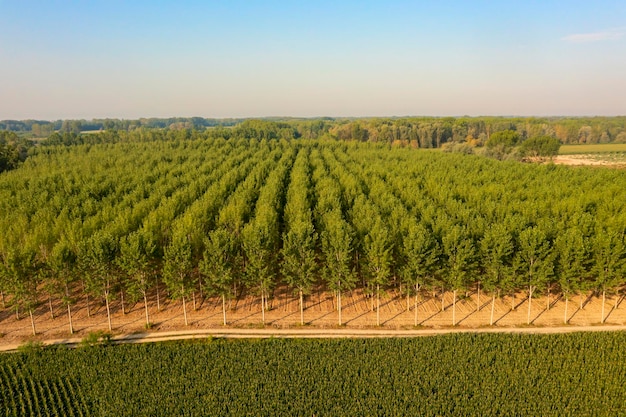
[[158, 298], [443, 306], [582, 304], [478, 299], [565, 314], [32, 321], [17, 312], [339, 302], [530, 299], [122, 301], [145, 306], [224, 308], [454, 308], [87, 296], [378, 305], [50, 306], [408, 300], [69, 308], [603, 302], [493, 306], [262, 307], [193, 297], [417, 292], [69, 316], [185, 311], [106, 300], [301, 308], [548, 300], [616, 304]]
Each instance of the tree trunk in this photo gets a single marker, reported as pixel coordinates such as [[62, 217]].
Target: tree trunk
[[17, 312], [262, 307], [122, 301], [224, 308], [339, 302], [193, 297], [301, 308], [581, 301], [106, 299], [417, 291], [32, 321], [50, 306], [158, 298], [603, 302], [548, 301], [565, 314], [145, 306], [408, 301], [69, 316], [443, 306], [530, 299], [493, 306], [88, 307], [185, 311], [378, 305], [454, 308]]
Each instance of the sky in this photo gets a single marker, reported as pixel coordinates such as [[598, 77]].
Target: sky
[[130, 59]]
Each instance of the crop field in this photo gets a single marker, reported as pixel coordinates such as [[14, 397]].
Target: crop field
[[462, 374]]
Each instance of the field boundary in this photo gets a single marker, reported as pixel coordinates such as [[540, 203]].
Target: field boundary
[[316, 334]]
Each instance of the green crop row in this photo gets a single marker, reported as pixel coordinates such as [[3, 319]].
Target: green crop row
[[461, 374]]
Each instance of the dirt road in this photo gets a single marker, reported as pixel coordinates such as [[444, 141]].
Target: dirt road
[[317, 333]]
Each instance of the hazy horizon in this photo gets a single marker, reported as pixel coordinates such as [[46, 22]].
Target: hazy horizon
[[239, 59]]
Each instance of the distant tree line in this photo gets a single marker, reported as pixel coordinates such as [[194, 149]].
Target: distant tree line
[[423, 132]]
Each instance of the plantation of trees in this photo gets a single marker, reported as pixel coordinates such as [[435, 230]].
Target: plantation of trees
[[458, 374], [196, 214]]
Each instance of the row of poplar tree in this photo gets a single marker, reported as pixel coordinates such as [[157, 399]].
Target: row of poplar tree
[[221, 217]]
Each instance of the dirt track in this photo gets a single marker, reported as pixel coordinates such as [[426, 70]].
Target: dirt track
[[317, 333]]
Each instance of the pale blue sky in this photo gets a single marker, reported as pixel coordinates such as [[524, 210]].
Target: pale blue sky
[[129, 59]]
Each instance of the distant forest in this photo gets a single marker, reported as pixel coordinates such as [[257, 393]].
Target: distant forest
[[497, 137], [423, 132]]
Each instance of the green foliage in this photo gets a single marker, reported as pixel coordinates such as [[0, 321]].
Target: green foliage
[[30, 347], [421, 252], [221, 262], [496, 249], [96, 338], [461, 374], [505, 139], [541, 146]]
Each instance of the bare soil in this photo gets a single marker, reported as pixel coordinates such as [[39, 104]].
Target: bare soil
[[590, 160], [358, 312]]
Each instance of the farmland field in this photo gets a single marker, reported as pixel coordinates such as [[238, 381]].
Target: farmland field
[[462, 374]]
